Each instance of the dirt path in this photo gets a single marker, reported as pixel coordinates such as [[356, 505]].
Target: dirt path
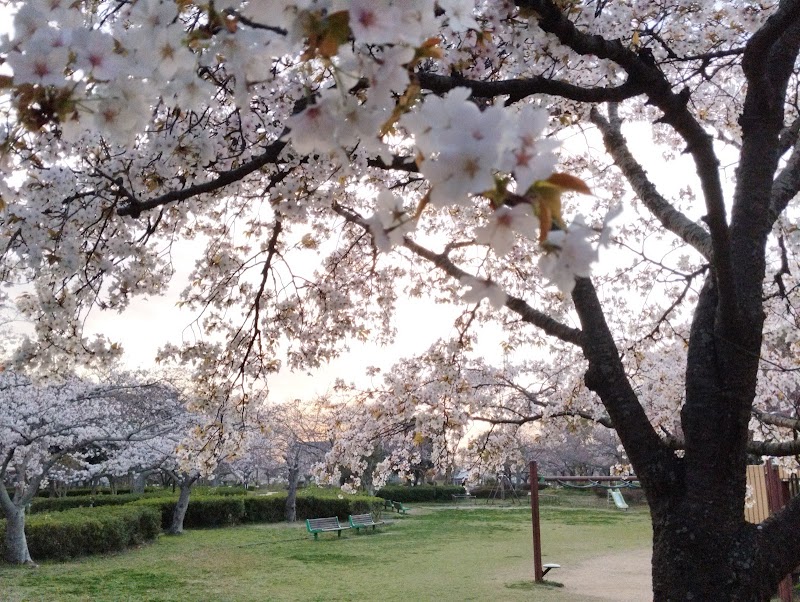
[[618, 577]]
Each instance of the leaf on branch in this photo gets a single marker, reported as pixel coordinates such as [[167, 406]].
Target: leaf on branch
[[326, 34], [404, 103], [547, 200]]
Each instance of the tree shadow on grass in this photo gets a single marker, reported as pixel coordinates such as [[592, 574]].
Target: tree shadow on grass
[[532, 585]]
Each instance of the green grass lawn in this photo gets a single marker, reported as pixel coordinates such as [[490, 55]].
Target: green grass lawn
[[469, 553]]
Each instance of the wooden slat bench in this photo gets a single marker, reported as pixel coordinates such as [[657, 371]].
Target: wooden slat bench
[[462, 497], [321, 525], [388, 505], [357, 521], [400, 508]]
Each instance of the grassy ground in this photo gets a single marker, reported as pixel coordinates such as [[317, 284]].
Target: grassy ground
[[469, 553]]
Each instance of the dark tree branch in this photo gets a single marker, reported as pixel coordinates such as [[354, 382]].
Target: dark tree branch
[[789, 136], [786, 186], [768, 64], [659, 92], [270, 155], [517, 89], [399, 163], [672, 219], [601, 420], [776, 420], [651, 459], [779, 541], [775, 449], [527, 313]]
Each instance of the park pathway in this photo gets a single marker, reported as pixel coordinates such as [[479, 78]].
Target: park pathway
[[617, 577]]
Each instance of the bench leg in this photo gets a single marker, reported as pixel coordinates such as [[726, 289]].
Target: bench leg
[[315, 535]]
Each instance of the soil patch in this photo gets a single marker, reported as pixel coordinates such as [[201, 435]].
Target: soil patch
[[618, 577]]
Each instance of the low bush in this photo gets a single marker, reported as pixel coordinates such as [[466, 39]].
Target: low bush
[[59, 504], [203, 511], [265, 508], [219, 490], [84, 531], [420, 493], [84, 491], [213, 511]]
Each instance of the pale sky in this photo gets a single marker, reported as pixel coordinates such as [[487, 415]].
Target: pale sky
[[150, 323]]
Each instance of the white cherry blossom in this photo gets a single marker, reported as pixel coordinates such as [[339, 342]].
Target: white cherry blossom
[[504, 223]]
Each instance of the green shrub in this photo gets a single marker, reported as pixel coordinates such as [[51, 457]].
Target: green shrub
[[420, 493], [59, 504], [221, 511], [316, 507], [214, 511], [85, 491], [222, 490], [83, 531], [265, 508], [203, 511]]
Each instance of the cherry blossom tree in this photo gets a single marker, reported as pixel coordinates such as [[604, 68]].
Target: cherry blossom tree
[[42, 426], [452, 410], [296, 433], [330, 157]]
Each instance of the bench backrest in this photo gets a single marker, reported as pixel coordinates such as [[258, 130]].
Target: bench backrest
[[323, 523], [361, 519]]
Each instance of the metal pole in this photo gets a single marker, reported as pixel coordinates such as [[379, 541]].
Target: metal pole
[[538, 572]]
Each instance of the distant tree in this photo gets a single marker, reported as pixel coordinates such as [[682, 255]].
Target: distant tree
[[297, 436], [42, 426]]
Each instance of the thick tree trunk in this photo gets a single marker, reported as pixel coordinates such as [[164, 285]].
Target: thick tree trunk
[[139, 481], [16, 545], [696, 557], [176, 527], [702, 547]]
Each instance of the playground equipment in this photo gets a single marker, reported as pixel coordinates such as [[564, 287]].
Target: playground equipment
[[503, 485], [619, 501], [540, 570]]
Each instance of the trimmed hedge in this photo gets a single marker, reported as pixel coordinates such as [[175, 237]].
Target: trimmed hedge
[[220, 490], [203, 511], [87, 491], [223, 511], [59, 504], [420, 493], [82, 531]]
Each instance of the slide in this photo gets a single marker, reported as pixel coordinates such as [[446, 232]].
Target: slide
[[616, 494]]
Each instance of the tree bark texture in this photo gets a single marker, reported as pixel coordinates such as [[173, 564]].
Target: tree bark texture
[[291, 497], [16, 545], [176, 527]]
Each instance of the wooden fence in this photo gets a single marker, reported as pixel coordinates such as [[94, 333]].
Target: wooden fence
[[770, 489]]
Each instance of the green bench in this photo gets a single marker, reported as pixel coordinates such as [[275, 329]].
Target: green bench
[[400, 508], [358, 521], [316, 526]]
